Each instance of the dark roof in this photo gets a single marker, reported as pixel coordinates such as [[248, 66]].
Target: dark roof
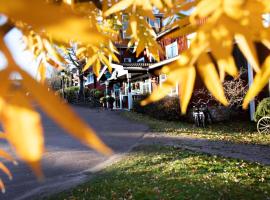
[[136, 64]]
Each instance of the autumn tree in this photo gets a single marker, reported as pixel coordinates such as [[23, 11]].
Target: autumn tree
[[92, 24]]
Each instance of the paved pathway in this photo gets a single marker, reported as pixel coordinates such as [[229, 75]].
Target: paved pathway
[[67, 162], [248, 152]]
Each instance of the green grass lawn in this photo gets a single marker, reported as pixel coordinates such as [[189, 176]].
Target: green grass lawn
[[236, 131], [156, 173]]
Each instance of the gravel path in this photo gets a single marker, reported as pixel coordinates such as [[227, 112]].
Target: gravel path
[[248, 152]]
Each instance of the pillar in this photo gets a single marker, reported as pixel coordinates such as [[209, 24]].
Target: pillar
[[252, 103], [130, 100]]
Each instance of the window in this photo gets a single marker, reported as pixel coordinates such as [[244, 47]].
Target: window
[[162, 78], [90, 79], [140, 60], [172, 50], [266, 20], [155, 23], [146, 87], [158, 22], [127, 60], [124, 27], [151, 23], [174, 90]]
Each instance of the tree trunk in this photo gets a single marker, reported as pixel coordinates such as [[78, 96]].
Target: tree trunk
[[81, 91]]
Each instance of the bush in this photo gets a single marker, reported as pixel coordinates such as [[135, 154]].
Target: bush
[[110, 100], [165, 109], [87, 93], [71, 94], [93, 97], [263, 109]]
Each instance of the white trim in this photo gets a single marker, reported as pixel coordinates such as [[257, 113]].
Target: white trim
[[252, 103], [140, 60], [164, 62], [101, 73]]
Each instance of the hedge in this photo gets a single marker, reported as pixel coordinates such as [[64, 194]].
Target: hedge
[[263, 109], [166, 109], [92, 96]]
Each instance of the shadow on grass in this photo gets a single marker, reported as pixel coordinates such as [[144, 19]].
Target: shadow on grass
[[233, 131], [154, 172]]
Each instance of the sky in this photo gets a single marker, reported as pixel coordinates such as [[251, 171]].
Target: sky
[[23, 58]]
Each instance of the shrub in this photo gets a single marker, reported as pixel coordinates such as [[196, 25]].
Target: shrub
[[87, 92], [103, 100], [98, 94], [110, 100], [263, 109], [165, 109], [95, 93], [93, 98], [71, 94]]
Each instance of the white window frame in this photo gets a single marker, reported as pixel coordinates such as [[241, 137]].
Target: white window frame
[[162, 79], [90, 79], [140, 59], [172, 50], [154, 23]]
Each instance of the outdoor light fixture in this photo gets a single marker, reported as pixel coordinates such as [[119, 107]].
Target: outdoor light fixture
[[62, 73]]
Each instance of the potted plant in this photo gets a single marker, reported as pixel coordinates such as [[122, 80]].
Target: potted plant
[[103, 102], [110, 101]]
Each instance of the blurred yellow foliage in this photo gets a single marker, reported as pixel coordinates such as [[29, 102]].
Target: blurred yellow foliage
[[50, 23]]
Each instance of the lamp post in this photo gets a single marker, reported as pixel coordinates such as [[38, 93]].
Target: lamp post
[[107, 92], [130, 100], [62, 73]]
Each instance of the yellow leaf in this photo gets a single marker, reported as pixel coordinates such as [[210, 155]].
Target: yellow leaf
[[5, 86], [248, 49], [260, 81], [140, 48], [159, 93], [51, 50], [42, 72], [5, 170], [204, 9], [6, 156], [133, 25], [169, 3], [80, 51], [123, 4], [105, 61], [96, 68], [53, 63], [188, 5], [157, 3], [210, 78], [48, 102], [90, 62], [2, 186], [57, 20], [26, 135], [187, 76]]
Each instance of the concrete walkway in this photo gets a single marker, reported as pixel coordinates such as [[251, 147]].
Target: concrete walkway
[[67, 162]]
